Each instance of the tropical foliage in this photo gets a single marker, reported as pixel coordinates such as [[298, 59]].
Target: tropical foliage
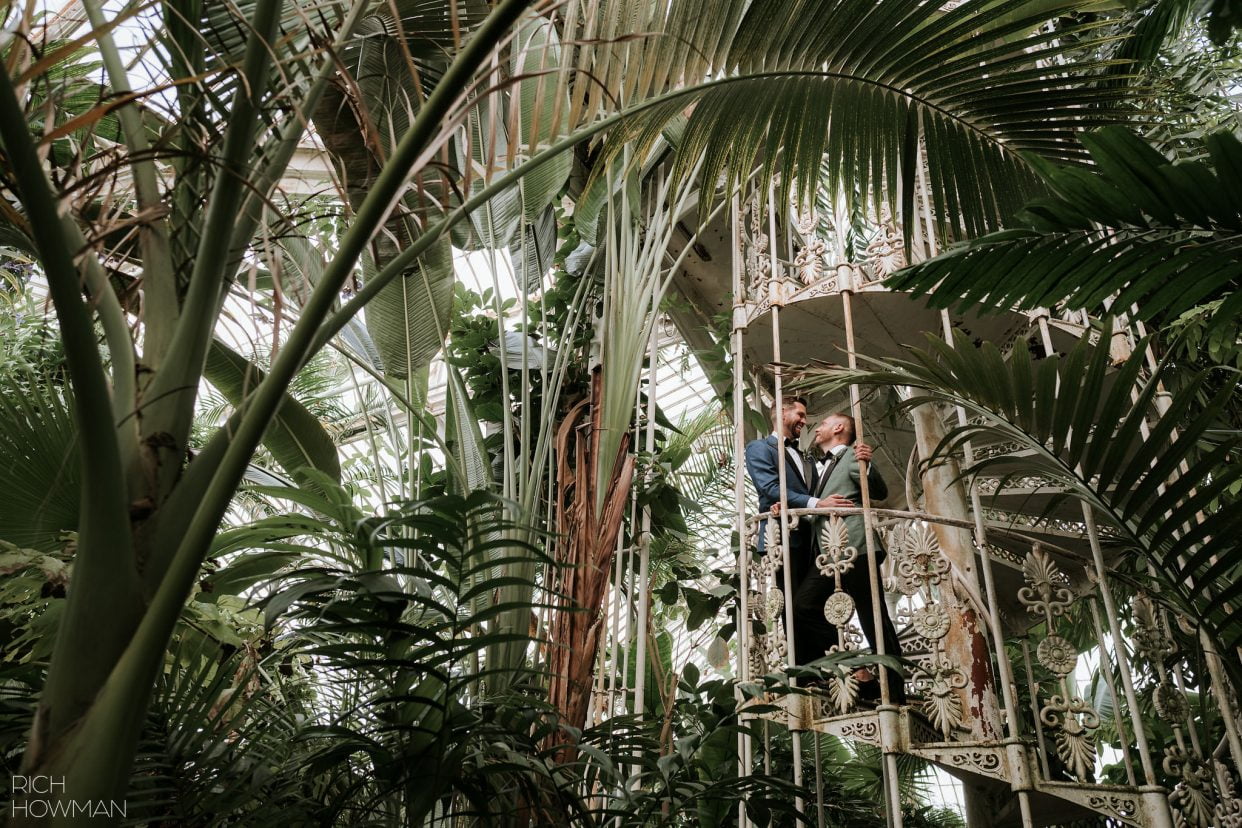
[[1138, 233], [239, 583]]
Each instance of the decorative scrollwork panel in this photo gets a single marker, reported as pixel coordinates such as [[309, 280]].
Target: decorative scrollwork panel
[[1194, 796], [1074, 723], [921, 572]]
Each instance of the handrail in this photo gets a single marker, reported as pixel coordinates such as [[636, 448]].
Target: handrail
[[902, 514]]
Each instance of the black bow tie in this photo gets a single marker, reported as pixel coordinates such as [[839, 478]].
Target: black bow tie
[[792, 443]]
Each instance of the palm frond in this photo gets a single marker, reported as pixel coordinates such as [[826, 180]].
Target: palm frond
[[296, 437], [39, 465], [787, 84], [1138, 232]]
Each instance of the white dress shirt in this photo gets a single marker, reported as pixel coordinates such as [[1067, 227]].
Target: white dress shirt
[[832, 454], [822, 465], [795, 457]]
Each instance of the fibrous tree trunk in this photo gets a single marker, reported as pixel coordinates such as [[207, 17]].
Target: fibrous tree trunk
[[587, 539]]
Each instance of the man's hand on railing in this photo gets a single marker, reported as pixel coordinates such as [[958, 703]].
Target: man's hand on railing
[[862, 451], [832, 500]]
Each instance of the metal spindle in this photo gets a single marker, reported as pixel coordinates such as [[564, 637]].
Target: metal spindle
[[739, 497], [777, 296]]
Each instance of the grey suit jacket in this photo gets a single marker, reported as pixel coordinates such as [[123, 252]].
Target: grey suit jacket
[[845, 479]]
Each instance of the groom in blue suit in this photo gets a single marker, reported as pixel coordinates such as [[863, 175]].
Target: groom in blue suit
[[801, 480]]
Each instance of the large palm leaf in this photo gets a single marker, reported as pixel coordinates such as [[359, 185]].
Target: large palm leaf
[[1139, 232], [386, 75], [1074, 422], [862, 84], [296, 437], [359, 119], [39, 463]]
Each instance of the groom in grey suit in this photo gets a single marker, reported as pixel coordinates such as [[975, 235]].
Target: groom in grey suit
[[839, 484]]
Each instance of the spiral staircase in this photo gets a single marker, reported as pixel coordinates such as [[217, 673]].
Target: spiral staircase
[[999, 590]]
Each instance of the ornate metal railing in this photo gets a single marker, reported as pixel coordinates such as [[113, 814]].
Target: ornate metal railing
[[1053, 749]]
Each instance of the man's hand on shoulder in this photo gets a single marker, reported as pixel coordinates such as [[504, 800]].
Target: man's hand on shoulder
[[862, 451]]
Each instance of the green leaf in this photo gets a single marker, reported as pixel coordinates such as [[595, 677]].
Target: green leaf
[[533, 251], [39, 466], [842, 90], [408, 319], [543, 110], [1135, 232], [295, 437]]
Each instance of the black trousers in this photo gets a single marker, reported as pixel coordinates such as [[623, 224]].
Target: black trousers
[[801, 556], [812, 632]]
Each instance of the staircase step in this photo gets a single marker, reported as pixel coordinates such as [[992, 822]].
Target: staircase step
[[1052, 502], [986, 766], [1117, 802]]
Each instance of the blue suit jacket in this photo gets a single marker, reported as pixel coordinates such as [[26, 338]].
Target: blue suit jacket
[[761, 464]]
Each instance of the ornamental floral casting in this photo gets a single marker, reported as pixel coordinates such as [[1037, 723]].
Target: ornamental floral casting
[[772, 539], [920, 570], [985, 762], [775, 648], [826, 286], [942, 705], [774, 607], [1074, 722], [1193, 798], [931, 622], [835, 560], [1057, 654], [1228, 811], [864, 730], [919, 562], [758, 263], [806, 221], [1122, 807], [887, 254], [758, 664], [1150, 638], [809, 263], [837, 557], [842, 689], [1045, 592], [839, 609], [1170, 704]]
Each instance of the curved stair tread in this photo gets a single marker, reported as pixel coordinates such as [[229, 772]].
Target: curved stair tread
[[986, 765], [1055, 502]]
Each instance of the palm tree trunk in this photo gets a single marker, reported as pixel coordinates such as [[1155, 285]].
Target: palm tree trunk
[[585, 550]]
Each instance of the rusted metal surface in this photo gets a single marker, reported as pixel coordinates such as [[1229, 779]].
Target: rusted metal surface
[[965, 643]]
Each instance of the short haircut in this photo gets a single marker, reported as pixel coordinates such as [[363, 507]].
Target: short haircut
[[792, 399], [849, 424]]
